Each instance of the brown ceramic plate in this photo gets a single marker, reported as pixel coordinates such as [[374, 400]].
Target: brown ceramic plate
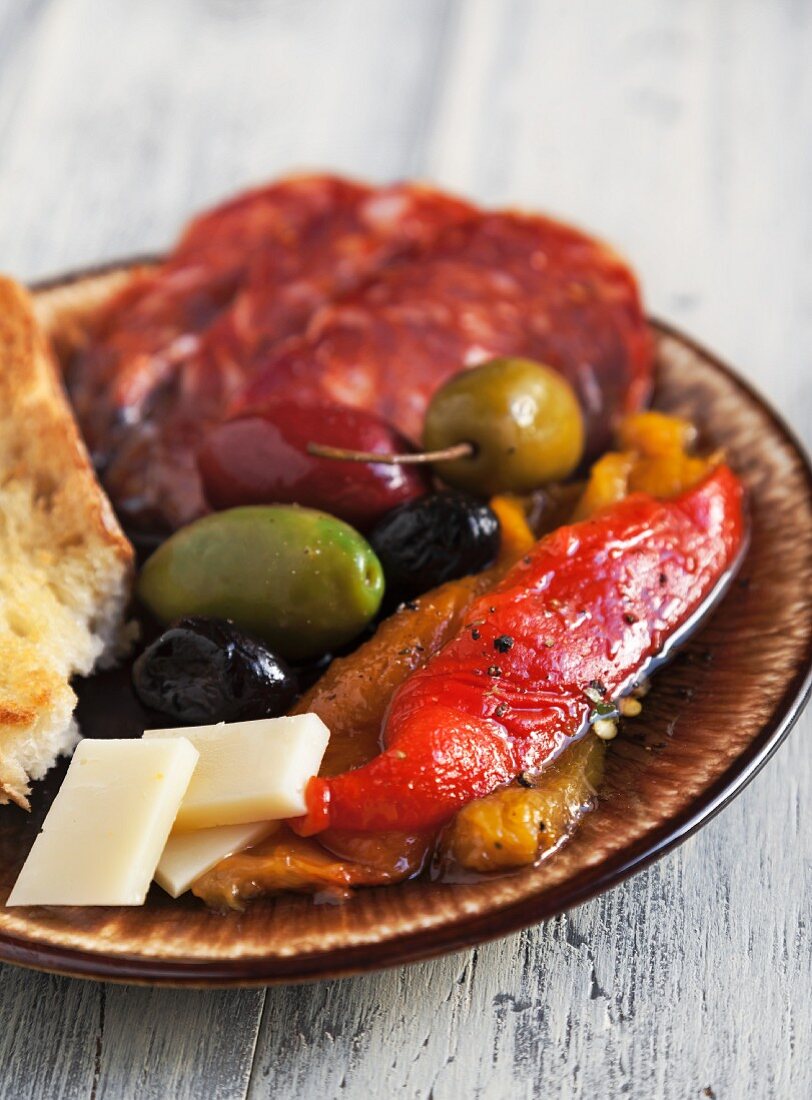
[[713, 718]]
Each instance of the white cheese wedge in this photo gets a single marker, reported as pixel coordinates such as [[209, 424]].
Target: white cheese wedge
[[109, 823], [187, 856], [250, 771]]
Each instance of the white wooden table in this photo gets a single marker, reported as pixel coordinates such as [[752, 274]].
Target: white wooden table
[[681, 132]]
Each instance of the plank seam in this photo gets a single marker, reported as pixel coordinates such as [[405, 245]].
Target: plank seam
[[257, 1032]]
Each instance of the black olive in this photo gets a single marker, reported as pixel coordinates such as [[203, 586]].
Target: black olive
[[434, 539], [205, 670]]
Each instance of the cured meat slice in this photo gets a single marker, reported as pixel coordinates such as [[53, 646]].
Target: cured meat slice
[[327, 256], [499, 284], [177, 344], [371, 297]]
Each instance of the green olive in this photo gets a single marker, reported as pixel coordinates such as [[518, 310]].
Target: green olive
[[303, 581], [522, 418]]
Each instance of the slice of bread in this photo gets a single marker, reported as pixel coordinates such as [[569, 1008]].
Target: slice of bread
[[65, 565]]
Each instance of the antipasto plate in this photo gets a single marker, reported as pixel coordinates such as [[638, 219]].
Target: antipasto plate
[[516, 672]]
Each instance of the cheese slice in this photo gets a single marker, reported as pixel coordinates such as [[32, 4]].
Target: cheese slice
[[109, 823], [187, 856], [250, 771]]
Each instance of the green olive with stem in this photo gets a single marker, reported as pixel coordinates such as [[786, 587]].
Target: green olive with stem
[[521, 418]]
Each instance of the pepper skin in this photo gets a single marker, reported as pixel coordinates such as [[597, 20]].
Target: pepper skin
[[590, 605]]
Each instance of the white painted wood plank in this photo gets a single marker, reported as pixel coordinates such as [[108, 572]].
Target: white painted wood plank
[[132, 116], [69, 1039], [678, 132], [47, 1036], [183, 1044]]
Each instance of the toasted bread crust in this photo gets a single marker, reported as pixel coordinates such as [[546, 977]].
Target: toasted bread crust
[[30, 384], [69, 309], [59, 538]]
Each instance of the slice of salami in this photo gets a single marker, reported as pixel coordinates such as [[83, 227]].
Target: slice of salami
[[156, 325], [370, 297], [177, 345], [500, 284]]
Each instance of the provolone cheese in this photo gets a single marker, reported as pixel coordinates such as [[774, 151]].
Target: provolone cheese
[[187, 856], [108, 825], [250, 771]]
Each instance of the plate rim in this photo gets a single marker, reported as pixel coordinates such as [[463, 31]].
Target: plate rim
[[468, 930]]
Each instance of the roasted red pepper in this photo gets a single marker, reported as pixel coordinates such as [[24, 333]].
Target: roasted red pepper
[[584, 612]]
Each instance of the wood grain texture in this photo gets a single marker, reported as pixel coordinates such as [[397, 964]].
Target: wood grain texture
[[679, 131]]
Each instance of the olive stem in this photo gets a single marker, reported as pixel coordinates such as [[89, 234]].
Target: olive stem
[[340, 454]]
